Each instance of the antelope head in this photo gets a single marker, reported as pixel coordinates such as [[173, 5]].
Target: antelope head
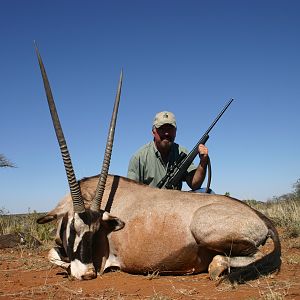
[[84, 228]]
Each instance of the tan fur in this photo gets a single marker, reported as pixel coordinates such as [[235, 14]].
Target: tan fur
[[174, 231]]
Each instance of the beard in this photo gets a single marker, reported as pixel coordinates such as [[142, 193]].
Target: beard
[[166, 144]]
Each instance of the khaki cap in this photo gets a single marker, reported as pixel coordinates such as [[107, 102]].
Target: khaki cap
[[164, 117]]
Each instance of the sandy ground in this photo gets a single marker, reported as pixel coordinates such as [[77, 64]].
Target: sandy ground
[[26, 274]]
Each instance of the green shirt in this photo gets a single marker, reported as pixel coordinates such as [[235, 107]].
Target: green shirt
[[147, 166]]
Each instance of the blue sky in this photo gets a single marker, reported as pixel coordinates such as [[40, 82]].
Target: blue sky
[[189, 57]]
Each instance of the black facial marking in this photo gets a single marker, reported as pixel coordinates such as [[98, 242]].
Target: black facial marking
[[89, 217], [84, 250], [71, 241]]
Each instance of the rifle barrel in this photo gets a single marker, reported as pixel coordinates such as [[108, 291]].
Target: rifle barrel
[[218, 117], [170, 180], [211, 126]]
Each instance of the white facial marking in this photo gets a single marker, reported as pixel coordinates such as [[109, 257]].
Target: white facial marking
[[106, 216], [78, 269], [81, 228]]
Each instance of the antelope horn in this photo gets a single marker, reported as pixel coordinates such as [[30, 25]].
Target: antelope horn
[[96, 203], [78, 203]]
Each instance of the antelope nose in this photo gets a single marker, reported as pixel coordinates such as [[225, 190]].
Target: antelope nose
[[90, 274]]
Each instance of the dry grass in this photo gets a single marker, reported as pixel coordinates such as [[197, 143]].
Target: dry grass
[[26, 223], [284, 214], [153, 275], [272, 290]]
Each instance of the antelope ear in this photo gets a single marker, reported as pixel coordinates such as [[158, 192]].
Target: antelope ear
[[46, 219], [112, 223]]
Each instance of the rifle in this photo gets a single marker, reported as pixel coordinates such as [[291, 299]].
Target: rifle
[[176, 171]]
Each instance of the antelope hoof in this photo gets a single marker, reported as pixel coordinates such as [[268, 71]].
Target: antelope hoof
[[217, 267]]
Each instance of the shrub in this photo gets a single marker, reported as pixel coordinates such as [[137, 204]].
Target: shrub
[[25, 223]]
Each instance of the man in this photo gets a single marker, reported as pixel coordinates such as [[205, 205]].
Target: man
[[150, 163]]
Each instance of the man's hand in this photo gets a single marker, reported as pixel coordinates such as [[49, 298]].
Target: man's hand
[[203, 151]]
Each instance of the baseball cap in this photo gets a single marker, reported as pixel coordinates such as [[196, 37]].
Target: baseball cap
[[164, 117]]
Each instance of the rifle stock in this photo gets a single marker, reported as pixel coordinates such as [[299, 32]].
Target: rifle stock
[[177, 170]]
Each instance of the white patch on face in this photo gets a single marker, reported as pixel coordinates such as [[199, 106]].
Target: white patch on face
[[78, 269], [106, 216], [81, 228]]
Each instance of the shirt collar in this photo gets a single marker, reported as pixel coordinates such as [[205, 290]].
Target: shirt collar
[[157, 153]]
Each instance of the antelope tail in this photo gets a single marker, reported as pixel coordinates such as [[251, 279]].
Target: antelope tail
[[268, 264]]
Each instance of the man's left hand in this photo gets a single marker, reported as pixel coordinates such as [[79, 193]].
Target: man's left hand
[[203, 150]]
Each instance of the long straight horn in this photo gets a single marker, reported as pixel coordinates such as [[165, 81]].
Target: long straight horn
[[96, 204], [73, 184]]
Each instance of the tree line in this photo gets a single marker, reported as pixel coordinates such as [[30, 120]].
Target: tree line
[[5, 163]]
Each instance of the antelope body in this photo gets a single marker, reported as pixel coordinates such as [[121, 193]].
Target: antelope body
[[171, 232]]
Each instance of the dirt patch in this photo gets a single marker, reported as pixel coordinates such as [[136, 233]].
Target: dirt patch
[[26, 274]]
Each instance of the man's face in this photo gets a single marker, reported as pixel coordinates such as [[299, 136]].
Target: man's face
[[164, 136]]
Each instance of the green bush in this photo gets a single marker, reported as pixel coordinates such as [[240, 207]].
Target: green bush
[[26, 223]]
